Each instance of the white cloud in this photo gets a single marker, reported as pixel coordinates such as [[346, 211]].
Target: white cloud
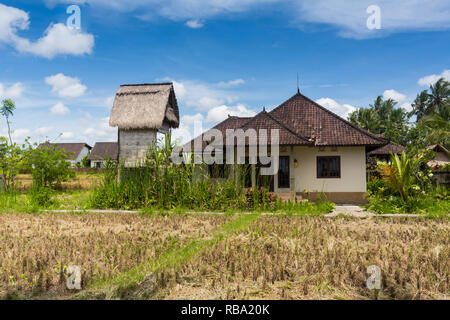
[[59, 109], [398, 97], [66, 87], [194, 24], [20, 134], [99, 130], [394, 95], [220, 113], [57, 39], [68, 135], [174, 9], [13, 92], [201, 96], [231, 83], [350, 16], [342, 110], [43, 130], [407, 106], [432, 79], [191, 119]]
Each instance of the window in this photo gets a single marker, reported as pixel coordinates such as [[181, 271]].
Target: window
[[328, 167], [283, 173]]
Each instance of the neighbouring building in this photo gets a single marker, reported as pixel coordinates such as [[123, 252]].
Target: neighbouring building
[[320, 152], [442, 157], [384, 153], [75, 151], [103, 151], [141, 111]]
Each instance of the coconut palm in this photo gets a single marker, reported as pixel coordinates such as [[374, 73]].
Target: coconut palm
[[7, 110], [421, 105], [439, 97]]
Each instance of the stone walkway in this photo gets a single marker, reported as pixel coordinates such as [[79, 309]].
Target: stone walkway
[[355, 211]]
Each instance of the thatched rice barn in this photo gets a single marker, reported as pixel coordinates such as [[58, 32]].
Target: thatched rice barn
[[140, 111]]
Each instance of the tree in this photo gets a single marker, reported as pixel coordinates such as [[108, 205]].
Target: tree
[[48, 166], [7, 110], [433, 102], [382, 117], [439, 97]]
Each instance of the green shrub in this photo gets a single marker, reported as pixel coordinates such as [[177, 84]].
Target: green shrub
[[41, 196]]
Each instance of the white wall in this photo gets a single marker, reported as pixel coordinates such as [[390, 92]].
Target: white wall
[[353, 170]]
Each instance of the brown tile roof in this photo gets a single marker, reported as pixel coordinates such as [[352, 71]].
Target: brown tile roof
[[102, 150], [323, 127], [72, 149], [302, 121], [230, 123], [264, 120], [387, 150]]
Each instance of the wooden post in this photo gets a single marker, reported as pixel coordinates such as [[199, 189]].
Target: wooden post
[[292, 173], [254, 176]]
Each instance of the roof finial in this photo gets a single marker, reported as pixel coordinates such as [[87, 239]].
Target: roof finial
[[298, 84], [264, 109]]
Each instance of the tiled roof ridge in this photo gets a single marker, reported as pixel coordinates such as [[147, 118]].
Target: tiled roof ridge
[[365, 132]]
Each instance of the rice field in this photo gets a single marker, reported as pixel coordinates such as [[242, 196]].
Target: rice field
[[222, 257], [37, 249]]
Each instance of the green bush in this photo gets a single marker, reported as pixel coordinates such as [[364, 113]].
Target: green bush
[[48, 166], [41, 196]]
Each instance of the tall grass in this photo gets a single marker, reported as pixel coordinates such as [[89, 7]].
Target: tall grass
[[158, 182]]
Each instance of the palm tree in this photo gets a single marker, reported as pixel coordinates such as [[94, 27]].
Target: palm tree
[[438, 126], [421, 105], [7, 110], [439, 96]]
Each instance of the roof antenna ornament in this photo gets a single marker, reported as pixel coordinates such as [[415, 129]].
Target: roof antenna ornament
[[298, 84]]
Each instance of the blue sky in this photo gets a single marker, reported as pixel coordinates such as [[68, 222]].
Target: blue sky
[[224, 56]]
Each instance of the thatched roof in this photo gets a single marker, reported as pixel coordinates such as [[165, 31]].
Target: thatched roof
[[103, 150], [145, 106]]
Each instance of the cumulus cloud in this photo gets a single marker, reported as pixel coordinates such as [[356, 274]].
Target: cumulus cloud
[[394, 95], [99, 130], [194, 24], [220, 113], [65, 86], [432, 79], [12, 92], [57, 39], [201, 96], [43, 130], [59, 109], [342, 110], [399, 98], [68, 135]]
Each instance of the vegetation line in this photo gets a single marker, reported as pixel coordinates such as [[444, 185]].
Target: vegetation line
[[120, 285]]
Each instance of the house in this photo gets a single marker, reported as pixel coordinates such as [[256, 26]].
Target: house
[[140, 111], [75, 151], [384, 153], [319, 152], [103, 151], [442, 157]]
